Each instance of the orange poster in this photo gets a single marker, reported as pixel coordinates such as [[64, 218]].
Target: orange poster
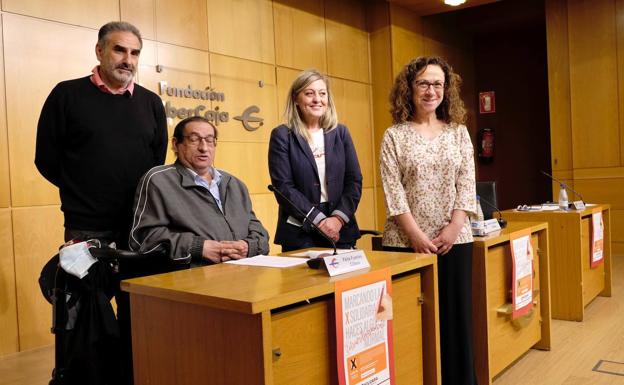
[[364, 329], [522, 272], [597, 245]]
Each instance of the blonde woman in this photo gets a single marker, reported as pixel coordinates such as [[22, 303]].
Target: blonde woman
[[313, 162]]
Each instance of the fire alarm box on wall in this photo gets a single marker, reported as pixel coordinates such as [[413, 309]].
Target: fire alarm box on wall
[[487, 102]]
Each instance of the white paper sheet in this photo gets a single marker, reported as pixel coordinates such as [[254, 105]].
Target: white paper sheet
[[269, 261]]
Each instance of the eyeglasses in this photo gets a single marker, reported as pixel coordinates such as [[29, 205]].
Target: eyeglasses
[[195, 140], [423, 85]]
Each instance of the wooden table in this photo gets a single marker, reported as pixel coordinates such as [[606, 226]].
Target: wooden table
[[228, 324], [498, 339], [574, 283]]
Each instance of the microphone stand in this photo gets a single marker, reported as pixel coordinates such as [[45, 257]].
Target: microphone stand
[[317, 262], [501, 222], [564, 186]]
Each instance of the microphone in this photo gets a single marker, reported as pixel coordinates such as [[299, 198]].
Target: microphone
[[564, 185], [317, 262], [501, 222]]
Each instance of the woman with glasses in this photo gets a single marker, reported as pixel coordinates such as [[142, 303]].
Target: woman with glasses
[[427, 172], [313, 164]]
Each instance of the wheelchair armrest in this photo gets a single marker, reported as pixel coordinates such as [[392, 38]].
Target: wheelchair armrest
[[105, 254], [370, 232]]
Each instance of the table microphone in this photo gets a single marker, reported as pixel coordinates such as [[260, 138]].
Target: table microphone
[[501, 222], [317, 262], [564, 185]]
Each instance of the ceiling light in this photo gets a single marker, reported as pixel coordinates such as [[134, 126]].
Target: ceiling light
[[454, 2]]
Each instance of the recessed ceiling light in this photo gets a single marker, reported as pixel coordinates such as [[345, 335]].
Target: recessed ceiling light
[[454, 2]]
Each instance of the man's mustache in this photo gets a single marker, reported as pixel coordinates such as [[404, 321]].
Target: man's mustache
[[124, 66]]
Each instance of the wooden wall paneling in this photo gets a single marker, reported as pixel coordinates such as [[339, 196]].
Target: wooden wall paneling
[[284, 79], [9, 342], [354, 110], [617, 227], [181, 67], [407, 37], [601, 191], [91, 14], [5, 188], [242, 28], [300, 34], [443, 38], [266, 209], [619, 20], [593, 66], [382, 78], [562, 163], [141, 13], [347, 40], [182, 22], [365, 213], [559, 84], [247, 161], [37, 234], [245, 83], [35, 64]]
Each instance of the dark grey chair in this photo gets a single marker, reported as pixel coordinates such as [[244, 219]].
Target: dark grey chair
[[486, 190]]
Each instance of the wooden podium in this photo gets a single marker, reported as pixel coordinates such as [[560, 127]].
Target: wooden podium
[[574, 283], [229, 324], [498, 339]]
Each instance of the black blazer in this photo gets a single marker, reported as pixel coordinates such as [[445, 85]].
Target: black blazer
[[293, 171]]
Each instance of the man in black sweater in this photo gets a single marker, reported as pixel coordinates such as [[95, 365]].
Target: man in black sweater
[[96, 137]]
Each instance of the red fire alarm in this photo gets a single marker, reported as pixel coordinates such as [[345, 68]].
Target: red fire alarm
[[487, 104]]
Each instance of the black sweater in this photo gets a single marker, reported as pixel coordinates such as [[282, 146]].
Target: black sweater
[[95, 146]]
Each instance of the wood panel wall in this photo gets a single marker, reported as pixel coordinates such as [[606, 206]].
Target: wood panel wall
[[248, 49], [586, 56]]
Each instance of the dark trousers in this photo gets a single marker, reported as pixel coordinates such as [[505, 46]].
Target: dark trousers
[[121, 298], [455, 303], [455, 306]]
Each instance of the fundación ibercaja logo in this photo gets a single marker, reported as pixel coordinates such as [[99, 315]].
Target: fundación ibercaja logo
[[216, 116]]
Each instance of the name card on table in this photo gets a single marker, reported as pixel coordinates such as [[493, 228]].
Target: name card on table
[[346, 262], [481, 228]]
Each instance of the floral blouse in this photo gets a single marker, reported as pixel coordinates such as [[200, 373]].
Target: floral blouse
[[427, 178]]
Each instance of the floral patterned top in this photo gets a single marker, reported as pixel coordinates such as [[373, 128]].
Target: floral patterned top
[[427, 178]]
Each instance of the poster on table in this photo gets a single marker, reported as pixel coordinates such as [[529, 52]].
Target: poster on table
[[522, 272], [597, 243], [364, 329]]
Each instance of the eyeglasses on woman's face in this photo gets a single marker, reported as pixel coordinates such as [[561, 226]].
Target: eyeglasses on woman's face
[[423, 85]]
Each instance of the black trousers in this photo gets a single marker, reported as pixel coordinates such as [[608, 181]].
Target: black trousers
[[455, 306], [121, 298], [455, 303]]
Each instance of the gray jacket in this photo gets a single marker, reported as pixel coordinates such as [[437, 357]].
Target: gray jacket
[[171, 211]]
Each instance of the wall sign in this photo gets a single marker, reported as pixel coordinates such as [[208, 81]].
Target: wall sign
[[487, 102], [216, 116]]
